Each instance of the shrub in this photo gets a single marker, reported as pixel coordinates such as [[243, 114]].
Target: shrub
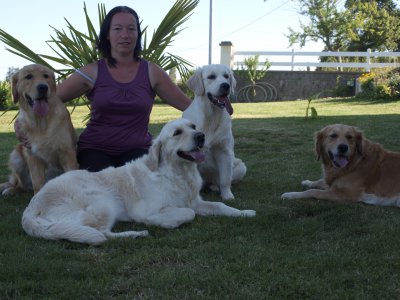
[[5, 95], [383, 91], [253, 72], [394, 84], [344, 87], [367, 82]]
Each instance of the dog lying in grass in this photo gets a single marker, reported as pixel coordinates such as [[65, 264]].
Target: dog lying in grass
[[161, 188], [355, 169]]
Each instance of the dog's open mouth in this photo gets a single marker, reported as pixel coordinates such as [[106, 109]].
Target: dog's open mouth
[[221, 101], [195, 155], [340, 161], [39, 105]]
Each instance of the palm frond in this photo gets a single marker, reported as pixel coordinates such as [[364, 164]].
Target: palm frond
[[18, 48]]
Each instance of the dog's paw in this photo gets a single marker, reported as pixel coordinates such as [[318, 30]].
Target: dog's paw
[[289, 195], [227, 195], [142, 233], [9, 191], [247, 213], [306, 184]]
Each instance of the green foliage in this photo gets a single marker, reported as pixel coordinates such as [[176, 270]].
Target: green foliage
[[326, 24], [75, 48], [380, 84], [311, 112], [253, 72], [383, 91], [358, 26], [393, 83], [374, 25], [5, 95], [344, 88]]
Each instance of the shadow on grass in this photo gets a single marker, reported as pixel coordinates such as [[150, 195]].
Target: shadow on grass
[[360, 101]]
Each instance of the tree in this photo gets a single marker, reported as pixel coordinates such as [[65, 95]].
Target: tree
[[376, 25], [327, 24], [76, 49], [357, 26], [11, 71]]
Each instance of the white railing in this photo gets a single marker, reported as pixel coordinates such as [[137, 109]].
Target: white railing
[[234, 59]]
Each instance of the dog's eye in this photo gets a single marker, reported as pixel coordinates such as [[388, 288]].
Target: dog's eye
[[333, 136], [211, 77], [193, 126], [226, 76], [29, 76], [46, 76], [349, 137], [177, 132]]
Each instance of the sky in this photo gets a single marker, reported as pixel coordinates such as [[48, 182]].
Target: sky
[[250, 25]]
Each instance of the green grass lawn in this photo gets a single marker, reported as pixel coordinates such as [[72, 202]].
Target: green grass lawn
[[300, 249]]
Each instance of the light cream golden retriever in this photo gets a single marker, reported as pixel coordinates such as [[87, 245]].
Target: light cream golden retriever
[[161, 188], [45, 122], [354, 169], [210, 111]]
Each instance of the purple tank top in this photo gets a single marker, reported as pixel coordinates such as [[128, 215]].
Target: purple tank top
[[120, 112]]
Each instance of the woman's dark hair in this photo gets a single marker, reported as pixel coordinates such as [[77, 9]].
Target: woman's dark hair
[[103, 44]]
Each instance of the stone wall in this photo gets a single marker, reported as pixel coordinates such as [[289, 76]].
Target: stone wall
[[292, 85]]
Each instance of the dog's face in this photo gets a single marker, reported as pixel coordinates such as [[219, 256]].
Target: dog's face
[[216, 81], [338, 144], [32, 87], [178, 142]]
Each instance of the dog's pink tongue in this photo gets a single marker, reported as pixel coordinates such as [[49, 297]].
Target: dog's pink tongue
[[341, 161], [198, 156], [228, 105], [40, 108]]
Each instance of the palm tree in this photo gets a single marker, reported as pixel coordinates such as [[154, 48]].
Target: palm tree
[[77, 49]]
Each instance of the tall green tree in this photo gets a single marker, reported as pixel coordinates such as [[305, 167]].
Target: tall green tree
[[376, 25], [326, 23], [75, 48], [354, 26]]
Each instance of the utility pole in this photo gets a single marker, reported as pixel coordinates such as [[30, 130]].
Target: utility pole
[[210, 35]]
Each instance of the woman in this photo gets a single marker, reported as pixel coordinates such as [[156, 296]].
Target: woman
[[121, 88]]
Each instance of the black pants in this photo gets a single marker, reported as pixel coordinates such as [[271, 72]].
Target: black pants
[[96, 160]]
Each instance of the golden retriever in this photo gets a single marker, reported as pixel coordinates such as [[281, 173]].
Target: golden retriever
[[161, 188], [354, 169], [210, 111], [45, 122]]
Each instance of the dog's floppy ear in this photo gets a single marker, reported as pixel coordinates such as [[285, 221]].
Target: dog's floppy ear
[[53, 84], [359, 142], [319, 137], [154, 157], [195, 83], [14, 90], [232, 81]]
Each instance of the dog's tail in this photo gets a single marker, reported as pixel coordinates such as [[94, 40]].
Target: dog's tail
[[37, 226]]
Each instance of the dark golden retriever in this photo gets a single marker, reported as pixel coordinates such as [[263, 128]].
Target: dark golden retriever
[[354, 169], [46, 124]]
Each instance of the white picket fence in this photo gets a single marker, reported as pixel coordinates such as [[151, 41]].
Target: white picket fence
[[296, 60]]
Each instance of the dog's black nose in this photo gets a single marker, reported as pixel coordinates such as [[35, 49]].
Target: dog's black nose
[[343, 148], [199, 138], [225, 87], [42, 90]]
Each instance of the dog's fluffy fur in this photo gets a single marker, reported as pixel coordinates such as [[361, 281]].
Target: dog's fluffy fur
[[160, 188], [210, 111], [354, 169], [46, 124]]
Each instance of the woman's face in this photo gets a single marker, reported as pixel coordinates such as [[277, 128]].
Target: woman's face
[[123, 32]]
